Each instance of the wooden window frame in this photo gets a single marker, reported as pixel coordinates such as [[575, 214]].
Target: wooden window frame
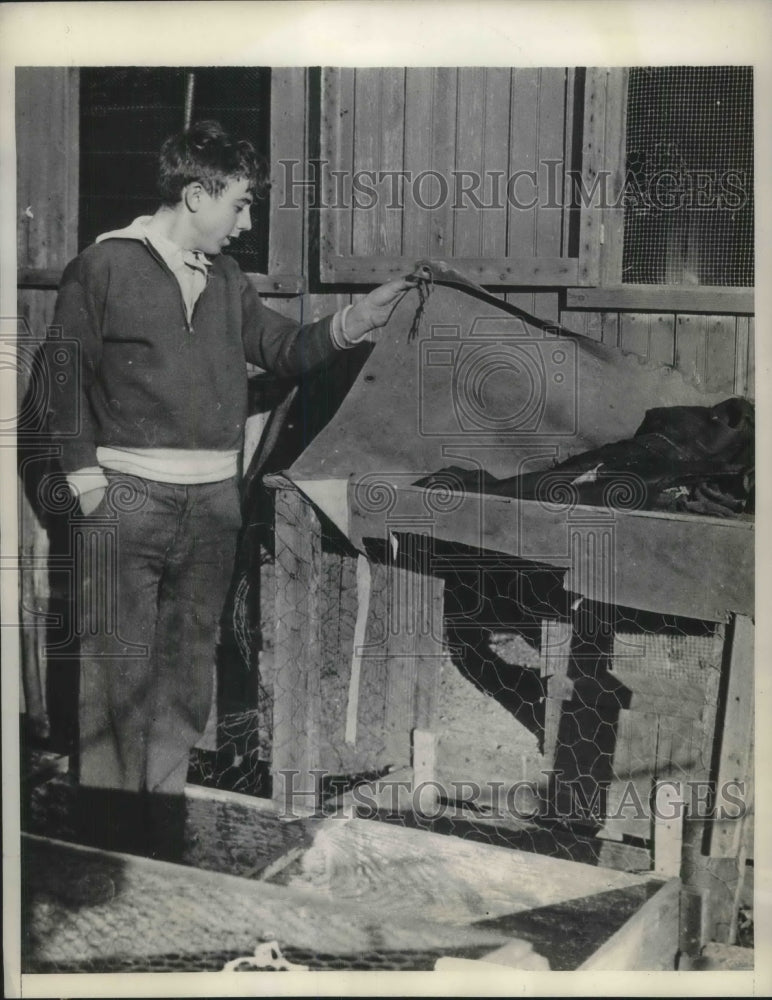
[[337, 143], [602, 231]]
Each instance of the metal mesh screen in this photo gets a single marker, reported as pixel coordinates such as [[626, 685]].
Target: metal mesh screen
[[125, 115], [689, 186]]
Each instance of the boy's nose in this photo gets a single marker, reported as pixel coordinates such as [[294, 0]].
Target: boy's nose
[[244, 222]]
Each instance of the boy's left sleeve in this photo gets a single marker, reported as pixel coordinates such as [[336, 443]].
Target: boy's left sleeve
[[280, 345]]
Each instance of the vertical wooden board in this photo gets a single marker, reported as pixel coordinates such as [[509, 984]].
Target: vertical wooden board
[[593, 162], [647, 942], [368, 149], [610, 328], [443, 160], [337, 147], [550, 156], [470, 142], [47, 148], [555, 650], [751, 381], [495, 162], [633, 768], [662, 338], [523, 163], [741, 357], [594, 328], [634, 333], [736, 733], [574, 320], [720, 348], [690, 348], [392, 157], [615, 161], [430, 662], [373, 688], [417, 158], [297, 645], [287, 203]]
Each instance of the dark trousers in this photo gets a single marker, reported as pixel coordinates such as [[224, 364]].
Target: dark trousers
[[155, 572]]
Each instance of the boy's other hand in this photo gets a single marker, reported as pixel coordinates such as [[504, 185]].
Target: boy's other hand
[[90, 500], [375, 309]]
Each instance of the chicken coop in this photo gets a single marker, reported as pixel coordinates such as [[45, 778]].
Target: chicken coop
[[459, 718]]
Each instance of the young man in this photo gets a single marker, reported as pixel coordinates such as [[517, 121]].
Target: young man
[[158, 393]]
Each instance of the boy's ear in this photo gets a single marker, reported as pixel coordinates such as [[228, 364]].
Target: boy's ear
[[192, 195]]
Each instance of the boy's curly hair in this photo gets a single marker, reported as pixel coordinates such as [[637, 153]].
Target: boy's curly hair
[[205, 152]]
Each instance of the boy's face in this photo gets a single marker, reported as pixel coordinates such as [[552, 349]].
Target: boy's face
[[220, 218]]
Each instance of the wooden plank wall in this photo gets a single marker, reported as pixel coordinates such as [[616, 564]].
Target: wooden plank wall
[[714, 351], [457, 136], [47, 138]]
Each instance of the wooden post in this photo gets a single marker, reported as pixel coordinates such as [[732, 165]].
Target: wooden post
[[297, 670], [726, 861], [556, 650], [414, 645]]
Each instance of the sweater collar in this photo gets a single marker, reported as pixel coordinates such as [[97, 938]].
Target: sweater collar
[[141, 229]]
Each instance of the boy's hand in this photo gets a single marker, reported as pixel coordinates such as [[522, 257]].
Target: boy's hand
[[90, 500], [374, 310]]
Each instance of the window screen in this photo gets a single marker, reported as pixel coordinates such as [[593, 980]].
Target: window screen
[[126, 113], [689, 182]]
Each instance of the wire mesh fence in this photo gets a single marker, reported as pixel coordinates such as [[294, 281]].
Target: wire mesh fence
[[551, 719], [689, 217]]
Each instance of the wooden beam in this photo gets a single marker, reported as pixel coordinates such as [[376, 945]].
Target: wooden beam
[[649, 939], [735, 764], [297, 655], [663, 298], [505, 271], [265, 284]]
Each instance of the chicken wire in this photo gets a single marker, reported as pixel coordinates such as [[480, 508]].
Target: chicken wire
[[579, 706]]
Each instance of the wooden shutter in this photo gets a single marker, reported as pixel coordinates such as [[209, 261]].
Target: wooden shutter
[[441, 128]]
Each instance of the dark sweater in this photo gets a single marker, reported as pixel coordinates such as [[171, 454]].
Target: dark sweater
[[134, 374]]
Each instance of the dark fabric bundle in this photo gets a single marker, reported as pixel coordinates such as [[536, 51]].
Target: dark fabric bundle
[[682, 458]]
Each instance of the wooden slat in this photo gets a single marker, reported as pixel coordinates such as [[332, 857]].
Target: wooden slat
[[417, 154], [285, 225], [392, 117], [662, 338], [414, 651], [663, 298], [736, 729], [47, 130], [470, 141], [367, 157], [550, 148], [648, 941], [443, 159], [690, 348], [497, 85], [615, 161], [514, 272], [337, 147], [720, 348], [591, 216], [751, 383], [651, 571], [741, 357], [556, 651], [523, 164], [297, 649], [634, 334]]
